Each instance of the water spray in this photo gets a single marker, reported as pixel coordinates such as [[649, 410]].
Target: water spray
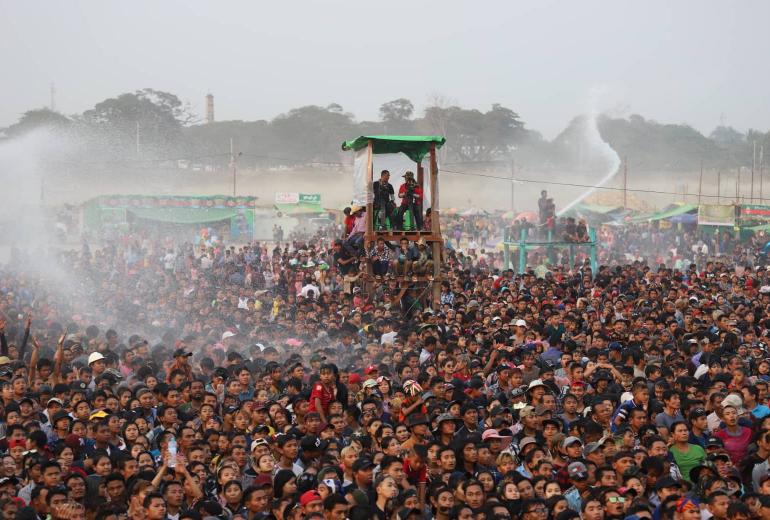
[[597, 147]]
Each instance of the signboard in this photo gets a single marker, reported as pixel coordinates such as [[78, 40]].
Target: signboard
[[755, 212], [286, 198], [297, 198], [716, 215], [310, 198]]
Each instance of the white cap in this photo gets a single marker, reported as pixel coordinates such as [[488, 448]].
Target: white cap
[[227, 334], [702, 370], [521, 323], [95, 356]]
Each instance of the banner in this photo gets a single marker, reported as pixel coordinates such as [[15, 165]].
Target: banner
[[755, 212], [716, 215], [286, 198], [297, 198], [171, 202], [310, 198]]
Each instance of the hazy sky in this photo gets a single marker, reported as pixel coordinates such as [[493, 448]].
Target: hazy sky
[[684, 61]]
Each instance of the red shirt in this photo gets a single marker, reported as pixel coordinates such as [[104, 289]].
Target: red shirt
[[417, 195], [349, 221], [326, 395], [419, 476]]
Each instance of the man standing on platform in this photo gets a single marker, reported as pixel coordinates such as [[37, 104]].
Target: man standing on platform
[[410, 194], [384, 200]]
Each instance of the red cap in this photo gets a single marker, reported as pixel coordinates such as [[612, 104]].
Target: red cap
[[309, 496], [370, 369], [354, 379], [17, 442], [263, 480]]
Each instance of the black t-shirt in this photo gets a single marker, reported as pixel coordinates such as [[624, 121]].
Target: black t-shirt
[[342, 254]]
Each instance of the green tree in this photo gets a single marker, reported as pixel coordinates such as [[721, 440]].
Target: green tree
[[398, 110], [144, 123], [311, 133], [38, 119]]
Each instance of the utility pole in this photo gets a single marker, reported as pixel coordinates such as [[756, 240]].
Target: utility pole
[[700, 181], [53, 97], [513, 177], [753, 167], [761, 172], [625, 182], [232, 164], [137, 138], [719, 186]]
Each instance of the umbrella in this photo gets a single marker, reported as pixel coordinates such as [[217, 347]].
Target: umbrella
[[528, 215], [473, 212]]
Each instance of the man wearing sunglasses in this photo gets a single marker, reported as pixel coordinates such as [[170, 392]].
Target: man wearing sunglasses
[[614, 505]]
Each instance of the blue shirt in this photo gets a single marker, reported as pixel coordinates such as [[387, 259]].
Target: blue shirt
[[760, 411], [573, 499]]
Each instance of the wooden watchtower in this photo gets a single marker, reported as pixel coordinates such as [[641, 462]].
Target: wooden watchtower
[[417, 148]]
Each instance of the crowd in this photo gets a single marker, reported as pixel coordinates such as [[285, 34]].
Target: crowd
[[149, 380]]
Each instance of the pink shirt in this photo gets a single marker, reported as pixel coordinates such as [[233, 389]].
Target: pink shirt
[[359, 226]]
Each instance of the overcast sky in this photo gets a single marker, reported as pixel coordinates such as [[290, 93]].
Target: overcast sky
[[684, 61]]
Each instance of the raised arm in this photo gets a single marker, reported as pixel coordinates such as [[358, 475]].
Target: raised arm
[[25, 339], [3, 342], [33, 362], [57, 360]]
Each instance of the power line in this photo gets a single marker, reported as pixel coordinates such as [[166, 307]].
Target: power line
[[577, 185]]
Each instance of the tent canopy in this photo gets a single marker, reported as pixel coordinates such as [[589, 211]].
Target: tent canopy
[[667, 213], [416, 147], [184, 215], [301, 208]]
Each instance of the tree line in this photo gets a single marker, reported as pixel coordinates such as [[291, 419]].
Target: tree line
[[148, 126]]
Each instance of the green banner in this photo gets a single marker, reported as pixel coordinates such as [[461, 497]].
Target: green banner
[[310, 198]]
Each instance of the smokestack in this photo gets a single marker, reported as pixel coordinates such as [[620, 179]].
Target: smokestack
[[209, 108]]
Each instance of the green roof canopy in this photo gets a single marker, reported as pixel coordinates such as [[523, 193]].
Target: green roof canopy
[[416, 147], [184, 215], [668, 212], [301, 208]]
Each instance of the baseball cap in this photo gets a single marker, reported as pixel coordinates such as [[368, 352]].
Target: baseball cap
[[362, 464], [312, 443], [371, 368], [263, 480], [577, 471], [416, 419], [309, 496], [521, 323], [259, 442], [666, 482], [534, 384], [570, 441], [182, 352], [227, 334], [526, 441], [714, 442]]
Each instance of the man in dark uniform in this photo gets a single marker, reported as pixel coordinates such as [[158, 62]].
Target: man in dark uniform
[[384, 199]]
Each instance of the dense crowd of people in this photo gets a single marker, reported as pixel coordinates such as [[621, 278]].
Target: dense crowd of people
[[148, 380]]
